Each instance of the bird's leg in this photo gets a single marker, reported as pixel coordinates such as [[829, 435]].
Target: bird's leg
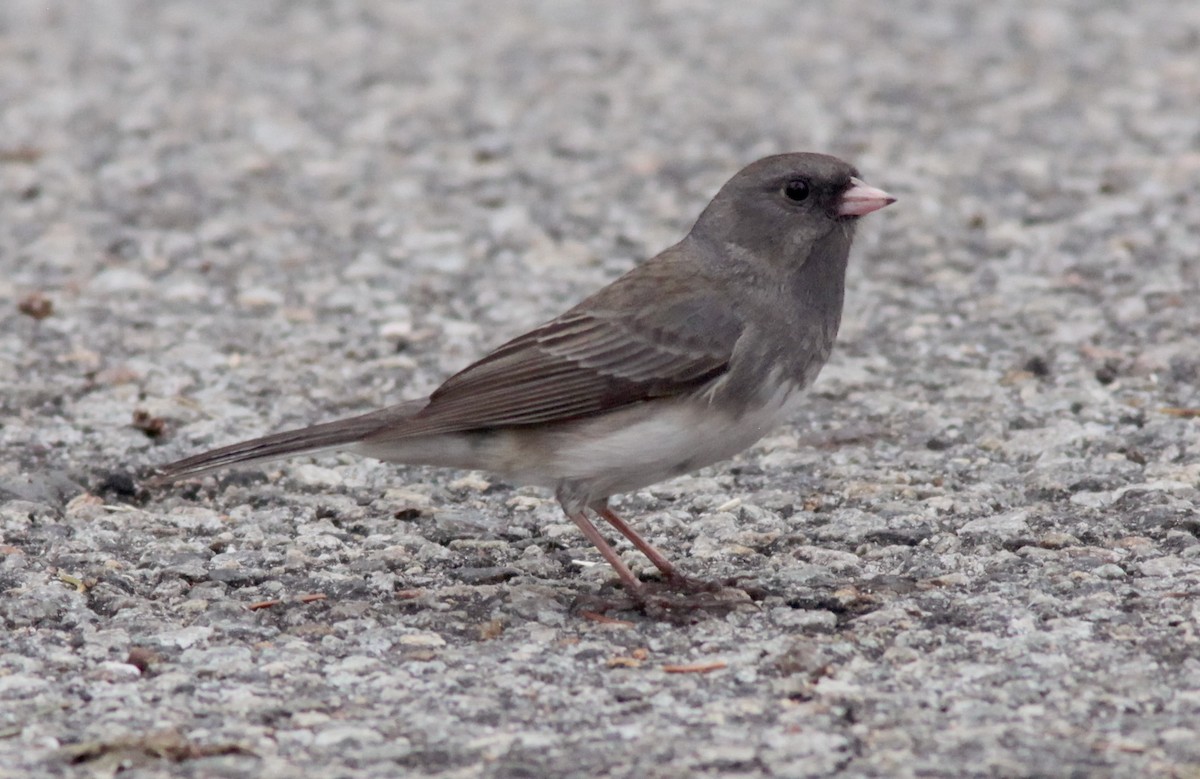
[[674, 579], [607, 552], [655, 556], [677, 596]]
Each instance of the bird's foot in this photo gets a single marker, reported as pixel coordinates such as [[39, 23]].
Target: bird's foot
[[682, 599], [678, 583], [678, 599]]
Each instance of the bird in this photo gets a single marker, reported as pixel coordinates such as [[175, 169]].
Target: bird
[[682, 362]]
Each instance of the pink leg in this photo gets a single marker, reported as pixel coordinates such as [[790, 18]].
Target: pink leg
[[655, 556], [607, 552]]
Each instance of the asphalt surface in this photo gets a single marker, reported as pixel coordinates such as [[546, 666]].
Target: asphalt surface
[[974, 553]]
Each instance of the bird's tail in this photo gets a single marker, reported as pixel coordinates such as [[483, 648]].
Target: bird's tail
[[338, 434]]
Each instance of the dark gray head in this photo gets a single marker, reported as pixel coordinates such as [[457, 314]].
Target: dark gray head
[[781, 207]]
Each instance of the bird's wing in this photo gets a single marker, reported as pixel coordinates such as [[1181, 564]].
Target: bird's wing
[[630, 342]]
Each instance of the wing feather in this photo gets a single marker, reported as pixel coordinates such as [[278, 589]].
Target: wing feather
[[610, 351]]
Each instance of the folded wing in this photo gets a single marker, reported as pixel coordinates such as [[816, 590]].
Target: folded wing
[[608, 352]]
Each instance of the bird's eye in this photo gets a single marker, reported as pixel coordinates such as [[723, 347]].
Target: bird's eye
[[796, 190]]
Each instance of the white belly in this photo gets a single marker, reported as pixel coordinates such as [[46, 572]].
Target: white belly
[[617, 452]]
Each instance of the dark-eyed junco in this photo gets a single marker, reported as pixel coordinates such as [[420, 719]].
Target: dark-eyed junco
[[683, 361]]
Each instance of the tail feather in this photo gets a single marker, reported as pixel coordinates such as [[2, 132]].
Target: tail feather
[[330, 435]]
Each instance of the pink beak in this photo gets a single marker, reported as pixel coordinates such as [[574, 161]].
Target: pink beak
[[861, 199]]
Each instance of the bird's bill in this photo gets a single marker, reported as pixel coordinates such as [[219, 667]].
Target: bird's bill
[[861, 199]]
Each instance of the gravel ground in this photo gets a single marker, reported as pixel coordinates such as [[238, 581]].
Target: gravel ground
[[975, 553]]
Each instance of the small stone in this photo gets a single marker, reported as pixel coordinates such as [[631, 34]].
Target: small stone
[[119, 280], [429, 640], [316, 475], [1169, 565], [1001, 526], [260, 297]]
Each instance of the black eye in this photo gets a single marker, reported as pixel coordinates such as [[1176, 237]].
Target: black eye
[[796, 190]]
